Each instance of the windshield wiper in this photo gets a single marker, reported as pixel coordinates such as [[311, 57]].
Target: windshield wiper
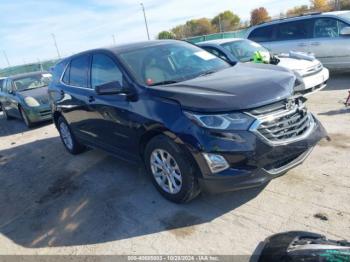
[[208, 73], [167, 82]]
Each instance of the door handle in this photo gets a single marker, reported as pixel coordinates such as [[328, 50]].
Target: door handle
[[62, 93], [91, 99]]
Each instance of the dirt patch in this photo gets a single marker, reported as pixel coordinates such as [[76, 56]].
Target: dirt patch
[[321, 216], [181, 224], [63, 185], [336, 141]]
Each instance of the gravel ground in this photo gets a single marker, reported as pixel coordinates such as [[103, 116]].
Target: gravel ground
[[55, 203]]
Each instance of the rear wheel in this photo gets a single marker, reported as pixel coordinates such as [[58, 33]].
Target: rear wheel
[[69, 141], [25, 118], [7, 117], [171, 172]]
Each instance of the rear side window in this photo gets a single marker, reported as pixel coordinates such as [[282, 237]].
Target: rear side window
[[262, 34], [104, 70], [78, 73], [328, 28], [294, 30]]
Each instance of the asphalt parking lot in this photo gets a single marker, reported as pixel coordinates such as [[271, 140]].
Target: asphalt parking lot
[[55, 203]]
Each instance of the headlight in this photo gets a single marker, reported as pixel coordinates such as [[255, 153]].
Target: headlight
[[234, 121], [32, 102], [301, 72]]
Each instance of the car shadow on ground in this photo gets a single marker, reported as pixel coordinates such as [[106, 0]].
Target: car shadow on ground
[[50, 198], [338, 81], [16, 126]]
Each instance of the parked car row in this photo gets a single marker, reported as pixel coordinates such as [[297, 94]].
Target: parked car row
[[198, 120]]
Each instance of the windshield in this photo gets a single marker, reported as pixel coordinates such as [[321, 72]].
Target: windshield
[[32, 82], [170, 63], [346, 16], [244, 50]]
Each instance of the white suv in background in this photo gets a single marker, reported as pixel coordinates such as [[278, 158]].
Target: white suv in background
[[326, 35]]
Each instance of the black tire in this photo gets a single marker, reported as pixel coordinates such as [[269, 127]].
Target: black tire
[[75, 148], [25, 118], [189, 187]]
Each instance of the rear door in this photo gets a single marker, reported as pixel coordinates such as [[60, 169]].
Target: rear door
[[76, 95], [288, 36], [332, 49], [293, 36]]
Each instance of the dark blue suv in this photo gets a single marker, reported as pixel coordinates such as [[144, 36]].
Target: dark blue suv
[[197, 122]]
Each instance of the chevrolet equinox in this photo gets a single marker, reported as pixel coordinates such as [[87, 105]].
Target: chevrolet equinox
[[197, 122]]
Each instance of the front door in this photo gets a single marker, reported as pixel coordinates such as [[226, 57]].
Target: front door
[[111, 116]]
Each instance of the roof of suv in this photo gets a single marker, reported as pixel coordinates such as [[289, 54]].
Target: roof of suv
[[302, 17]]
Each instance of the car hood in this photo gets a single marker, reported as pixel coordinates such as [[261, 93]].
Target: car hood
[[297, 64], [243, 86], [40, 94]]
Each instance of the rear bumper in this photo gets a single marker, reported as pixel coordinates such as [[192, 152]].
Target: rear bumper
[[258, 164]]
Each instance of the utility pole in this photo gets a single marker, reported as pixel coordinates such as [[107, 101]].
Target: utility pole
[[40, 65], [6, 58], [220, 27], [55, 43], [144, 16], [114, 42]]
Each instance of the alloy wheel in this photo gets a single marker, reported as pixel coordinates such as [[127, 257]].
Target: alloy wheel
[[166, 171], [66, 135]]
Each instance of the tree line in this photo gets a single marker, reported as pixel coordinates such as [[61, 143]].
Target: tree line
[[229, 21]]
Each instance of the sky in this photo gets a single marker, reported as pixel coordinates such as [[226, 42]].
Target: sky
[[26, 26]]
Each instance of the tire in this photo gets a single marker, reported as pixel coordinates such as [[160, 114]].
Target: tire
[[162, 158], [25, 118], [67, 137]]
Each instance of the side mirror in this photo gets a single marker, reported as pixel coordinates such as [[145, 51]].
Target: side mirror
[[345, 31], [110, 88]]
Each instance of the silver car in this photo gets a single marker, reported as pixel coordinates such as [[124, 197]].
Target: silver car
[[326, 35]]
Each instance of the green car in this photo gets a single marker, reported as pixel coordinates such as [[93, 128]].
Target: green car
[[25, 97]]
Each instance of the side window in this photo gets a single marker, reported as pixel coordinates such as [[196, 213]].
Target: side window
[[8, 85], [294, 30], [216, 52], [78, 73], [262, 34], [1, 84], [104, 70], [327, 27], [65, 78]]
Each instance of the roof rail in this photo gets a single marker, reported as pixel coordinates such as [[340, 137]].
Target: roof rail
[[290, 17]]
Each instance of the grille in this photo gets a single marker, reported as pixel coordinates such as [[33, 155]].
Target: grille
[[313, 70], [285, 124]]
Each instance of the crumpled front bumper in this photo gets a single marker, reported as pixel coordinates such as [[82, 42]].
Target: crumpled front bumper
[[255, 162], [315, 82]]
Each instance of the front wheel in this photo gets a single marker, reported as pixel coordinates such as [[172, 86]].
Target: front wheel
[[25, 118], [171, 173], [69, 141]]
